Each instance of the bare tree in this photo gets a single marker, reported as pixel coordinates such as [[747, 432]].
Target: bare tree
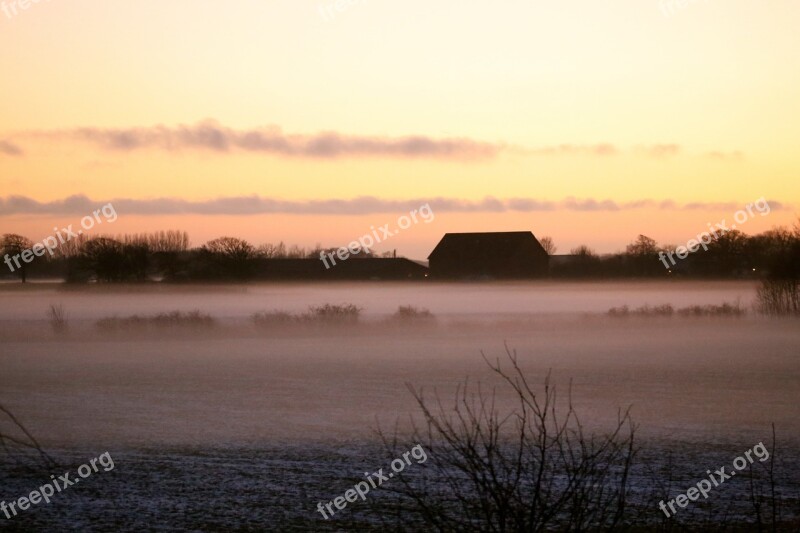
[[643, 246], [232, 257], [548, 244], [583, 251], [11, 245]]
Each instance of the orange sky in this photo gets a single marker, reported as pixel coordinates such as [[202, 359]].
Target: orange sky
[[529, 103]]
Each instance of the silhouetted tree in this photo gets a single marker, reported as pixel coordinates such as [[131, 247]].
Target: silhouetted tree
[[272, 251], [12, 244], [104, 258], [642, 254], [725, 255], [585, 262], [230, 257], [548, 244]]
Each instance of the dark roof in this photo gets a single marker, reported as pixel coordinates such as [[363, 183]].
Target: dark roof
[[499, 245]]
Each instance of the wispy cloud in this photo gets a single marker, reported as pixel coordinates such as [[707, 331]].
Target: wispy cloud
[[9, 148], [210, 135], [725, 156], [254, 205], [660, 151], [602, 149]]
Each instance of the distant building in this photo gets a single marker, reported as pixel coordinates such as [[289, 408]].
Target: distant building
[[509, 255], [352, 269]]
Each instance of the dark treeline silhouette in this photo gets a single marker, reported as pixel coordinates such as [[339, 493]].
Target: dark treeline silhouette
[[164, 255], [772, 254], [167, 256]]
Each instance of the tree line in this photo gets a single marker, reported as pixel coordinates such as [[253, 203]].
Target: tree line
[[162, 255], [168, 256], [774, 253]]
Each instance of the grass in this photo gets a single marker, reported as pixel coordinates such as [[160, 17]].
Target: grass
[[190, 319]]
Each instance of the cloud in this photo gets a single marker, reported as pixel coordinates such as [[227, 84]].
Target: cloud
[[602, 149], [736, 155], [209, 135], [9, 148], [80, 205], [660, 151]]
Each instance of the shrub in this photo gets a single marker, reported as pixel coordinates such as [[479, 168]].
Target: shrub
[[659, 310], [190, 319], [58, 318], [329, 313], [273, 318], [323, 314], [411, 313], [779, 297], [531, 468], [725, 309], [619, 311]]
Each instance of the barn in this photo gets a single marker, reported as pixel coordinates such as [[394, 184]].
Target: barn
[[495, 255]]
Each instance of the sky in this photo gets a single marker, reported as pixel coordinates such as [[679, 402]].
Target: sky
[[304, 122]]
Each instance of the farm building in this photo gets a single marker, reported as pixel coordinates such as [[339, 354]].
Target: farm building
[[498, 255]]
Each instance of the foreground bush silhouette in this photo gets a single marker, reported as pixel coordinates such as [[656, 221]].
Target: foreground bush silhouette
[[19, 445], [533, 468]]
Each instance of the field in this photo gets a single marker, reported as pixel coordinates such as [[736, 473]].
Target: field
[[232, 425]]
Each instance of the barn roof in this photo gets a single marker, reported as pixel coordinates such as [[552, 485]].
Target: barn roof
[[495, 244]]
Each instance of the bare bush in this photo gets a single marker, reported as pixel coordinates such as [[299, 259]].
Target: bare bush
[[327, 314], [21, 446], [665, 310], [779, 297], [409, 313], [190, 319], [646, 310], [58, 318], [332, 314], [531, 469], [726, 309], [273, 318]]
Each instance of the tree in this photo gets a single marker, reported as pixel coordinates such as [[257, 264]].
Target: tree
[[643, 256], [583, 251], [272, 251], [104, 257], [643, 246], [12, 244], [548, 244], [231, 257]]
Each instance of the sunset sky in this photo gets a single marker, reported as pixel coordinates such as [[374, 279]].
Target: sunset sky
[[590, 122]]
